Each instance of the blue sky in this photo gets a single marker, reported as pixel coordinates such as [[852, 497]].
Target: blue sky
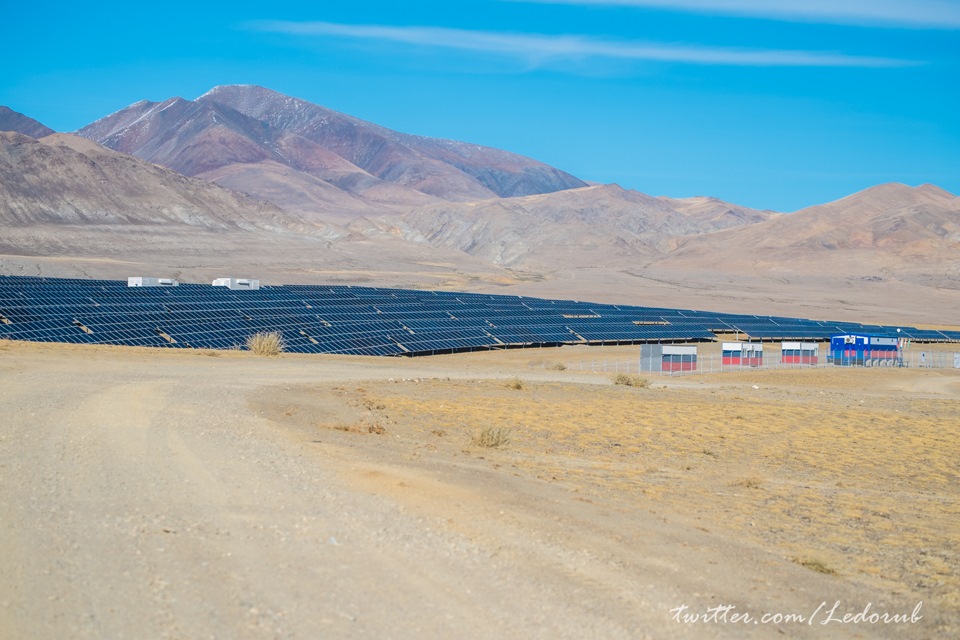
[[775, 104]]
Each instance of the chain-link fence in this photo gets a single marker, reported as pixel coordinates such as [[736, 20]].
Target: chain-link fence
[[716, 363]]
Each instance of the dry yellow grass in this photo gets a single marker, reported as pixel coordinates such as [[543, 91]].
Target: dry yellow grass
[[266, 343], [866, 484]]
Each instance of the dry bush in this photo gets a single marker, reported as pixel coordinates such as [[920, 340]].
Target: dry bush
[[361, 427], [557, 366], [490, 438], [750, 482], [515, 383], [628, 380], [816, 565], [266, 343]]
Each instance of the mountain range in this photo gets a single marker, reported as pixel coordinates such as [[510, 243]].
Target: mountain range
[[245, 177]]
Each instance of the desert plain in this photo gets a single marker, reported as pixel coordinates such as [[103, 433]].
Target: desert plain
[[202, 494]]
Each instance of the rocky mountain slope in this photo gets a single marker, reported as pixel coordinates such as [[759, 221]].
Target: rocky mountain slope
[[69, 207], [11, 120], [882, 227], [326, 166], [62, 179], [312, 160]]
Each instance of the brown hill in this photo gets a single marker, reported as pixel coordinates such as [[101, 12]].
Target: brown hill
[[889, 251], [449, 169], [715, 214], [596, 226], [882, 227], [70, 207], [65, 180], [11, 120]]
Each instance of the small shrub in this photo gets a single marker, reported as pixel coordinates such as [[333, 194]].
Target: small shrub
[[515, 383], [751, 482], [557, 366], [631, 381], [816, 565], [266, 343], [490, 438]]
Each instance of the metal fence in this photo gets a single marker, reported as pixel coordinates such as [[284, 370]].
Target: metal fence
[[713, 363]]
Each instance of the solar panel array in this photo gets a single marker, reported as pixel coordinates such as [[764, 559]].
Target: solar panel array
[[365, 320]]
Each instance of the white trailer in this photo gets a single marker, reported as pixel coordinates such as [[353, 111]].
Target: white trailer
[[237, 284], [667, 357], [139, 281]]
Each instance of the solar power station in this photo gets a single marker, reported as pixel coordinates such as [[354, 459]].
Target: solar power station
[[158, 312]]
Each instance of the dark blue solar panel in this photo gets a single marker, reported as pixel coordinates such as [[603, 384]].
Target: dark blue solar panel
[[364, 320]]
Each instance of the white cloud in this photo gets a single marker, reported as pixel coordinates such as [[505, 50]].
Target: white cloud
[[539, 49], [930, 14]]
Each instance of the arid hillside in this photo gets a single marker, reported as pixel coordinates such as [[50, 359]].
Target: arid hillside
[[69, 207], [886, 234], [250, 130], [11, 120]]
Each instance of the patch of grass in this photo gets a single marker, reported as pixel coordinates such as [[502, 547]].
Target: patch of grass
[[557, 366], [266, 343], [816, 565], [709, 452], [361, 427], [515, 383], [491, 438], [750, 482], [628, 380]]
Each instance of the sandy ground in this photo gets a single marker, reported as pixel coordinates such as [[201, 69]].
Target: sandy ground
[[153, 494]]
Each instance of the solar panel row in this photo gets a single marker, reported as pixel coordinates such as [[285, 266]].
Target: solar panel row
[[364, 320]]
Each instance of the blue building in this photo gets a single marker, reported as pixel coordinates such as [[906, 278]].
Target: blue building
[[864, 350]]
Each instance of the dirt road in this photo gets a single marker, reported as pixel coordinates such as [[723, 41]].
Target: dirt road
[[180, 495]]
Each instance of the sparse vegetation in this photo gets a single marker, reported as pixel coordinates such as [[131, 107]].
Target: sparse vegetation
[[557, 366], [628, 380], [266, 343], [750, 482], [688, 449], [491, 438], [361, 427], [515, 383], [816, 565]]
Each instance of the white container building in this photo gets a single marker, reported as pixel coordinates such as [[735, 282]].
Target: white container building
[[667, 357], [237, 284], [139, 281]]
